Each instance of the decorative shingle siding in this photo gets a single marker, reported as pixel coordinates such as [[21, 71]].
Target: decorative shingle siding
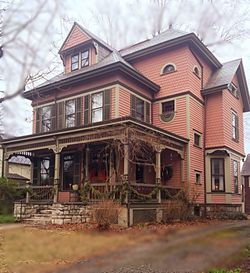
[[75, 38]]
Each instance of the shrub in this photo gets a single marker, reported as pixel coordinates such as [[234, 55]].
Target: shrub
[[8, 193], [106, 213]]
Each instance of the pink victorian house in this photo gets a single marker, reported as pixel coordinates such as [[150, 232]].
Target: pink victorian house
[[157, 116]]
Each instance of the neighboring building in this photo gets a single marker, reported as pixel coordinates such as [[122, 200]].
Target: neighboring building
[[170, 94], [245, 172]]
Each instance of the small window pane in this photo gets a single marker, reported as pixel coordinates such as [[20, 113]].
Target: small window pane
[[97, 115], [46, 118], [168, 106], [97, 100], [217, 174], [70, 109], [74, 62], [197, 139], [85, 58]]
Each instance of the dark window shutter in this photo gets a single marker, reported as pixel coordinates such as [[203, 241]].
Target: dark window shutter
[[53, 117], [133, 105], [60, 115], [107, 104], [147, 112], [86, 110], [77, 168], [35, 170], [38, 127], [79, 111], [52, 169], [237, 128]]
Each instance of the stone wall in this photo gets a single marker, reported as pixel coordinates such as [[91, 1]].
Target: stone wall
[[53, 213]]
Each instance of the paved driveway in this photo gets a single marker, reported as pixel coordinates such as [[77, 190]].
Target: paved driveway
[[191, 250]]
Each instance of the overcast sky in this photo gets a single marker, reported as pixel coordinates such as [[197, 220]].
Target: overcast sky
[[82, 11]]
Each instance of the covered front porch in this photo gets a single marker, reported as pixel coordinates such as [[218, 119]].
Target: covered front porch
[[127, 160]]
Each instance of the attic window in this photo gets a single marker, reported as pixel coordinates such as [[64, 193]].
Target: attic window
[[196, 71], [233, 89], [168, 68], [74, 62], [84, 58]]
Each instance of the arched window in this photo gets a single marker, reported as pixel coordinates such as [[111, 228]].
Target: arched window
[[196, 71], [168, 68]]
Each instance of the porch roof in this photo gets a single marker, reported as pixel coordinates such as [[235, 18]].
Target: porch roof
[[92, 133]]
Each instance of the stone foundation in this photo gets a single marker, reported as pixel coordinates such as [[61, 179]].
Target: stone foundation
[[53, 213], [223, 211]]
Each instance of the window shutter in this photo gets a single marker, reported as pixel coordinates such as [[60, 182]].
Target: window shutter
[[133, 105], [79, 111], [77, 168], [38, 127], [147, 107], [106, 104], [53, 117], [237, 127], [60, 115], [86, 109], [35, 171], [52, 169]]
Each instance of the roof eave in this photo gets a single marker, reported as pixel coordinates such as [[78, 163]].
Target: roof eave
[[188, 38], [94, 73]]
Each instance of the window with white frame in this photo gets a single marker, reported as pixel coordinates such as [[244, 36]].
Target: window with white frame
[[75, 62], [236, 176], [235, 126], [217, 175], [70, 113], [84, 58], [97, 107], [46, 118], [168, 68]]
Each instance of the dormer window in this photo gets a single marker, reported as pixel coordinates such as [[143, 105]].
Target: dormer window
[[84, 58], [74, 62]]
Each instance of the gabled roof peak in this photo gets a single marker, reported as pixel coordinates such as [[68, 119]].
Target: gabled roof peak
[[84, 35]]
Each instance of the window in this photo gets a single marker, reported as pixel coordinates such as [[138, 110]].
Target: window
[[68, 171], [233, 90], [140, 109], [197, 177], [84, 58], [168, 69], [70, 113], [167, 110], [236, 176], [235, 126], [217, 174], [139, 174], [44, 171], [196, 71], [197, 139], [46, 118], [74, 62], [97, 107]]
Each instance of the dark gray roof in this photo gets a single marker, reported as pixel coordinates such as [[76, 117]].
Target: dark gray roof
[[223, 75], [112, 58], [20, 160], [15, 176], [246, 167], [165, 36]]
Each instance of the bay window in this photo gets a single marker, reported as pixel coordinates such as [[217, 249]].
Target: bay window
[[236, 176], [217, 175]]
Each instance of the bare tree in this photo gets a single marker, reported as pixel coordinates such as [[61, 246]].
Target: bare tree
[[26, 48]]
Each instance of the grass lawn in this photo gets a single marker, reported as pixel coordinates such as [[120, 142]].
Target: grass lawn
[[7, 219], [30, 249]]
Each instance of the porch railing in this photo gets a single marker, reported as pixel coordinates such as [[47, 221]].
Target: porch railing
[[36, 193]]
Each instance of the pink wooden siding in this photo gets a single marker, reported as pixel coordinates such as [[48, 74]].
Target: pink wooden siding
[[214, 121], [178, 124], [124, 103], [75, 38]]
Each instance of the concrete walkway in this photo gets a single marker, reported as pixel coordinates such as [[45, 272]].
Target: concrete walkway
[[191, 250]]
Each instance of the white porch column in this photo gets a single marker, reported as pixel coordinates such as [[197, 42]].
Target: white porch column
[[6, 164], [56, 176]]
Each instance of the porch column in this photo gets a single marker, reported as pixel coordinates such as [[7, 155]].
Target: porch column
[[56, 176], [125, 168], [158, 171], [6, 164], [87, 163]]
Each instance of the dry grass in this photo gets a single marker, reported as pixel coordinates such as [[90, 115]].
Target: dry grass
[[38, 250]]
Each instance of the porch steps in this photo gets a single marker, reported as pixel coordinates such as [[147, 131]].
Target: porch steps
[[42, 217]]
